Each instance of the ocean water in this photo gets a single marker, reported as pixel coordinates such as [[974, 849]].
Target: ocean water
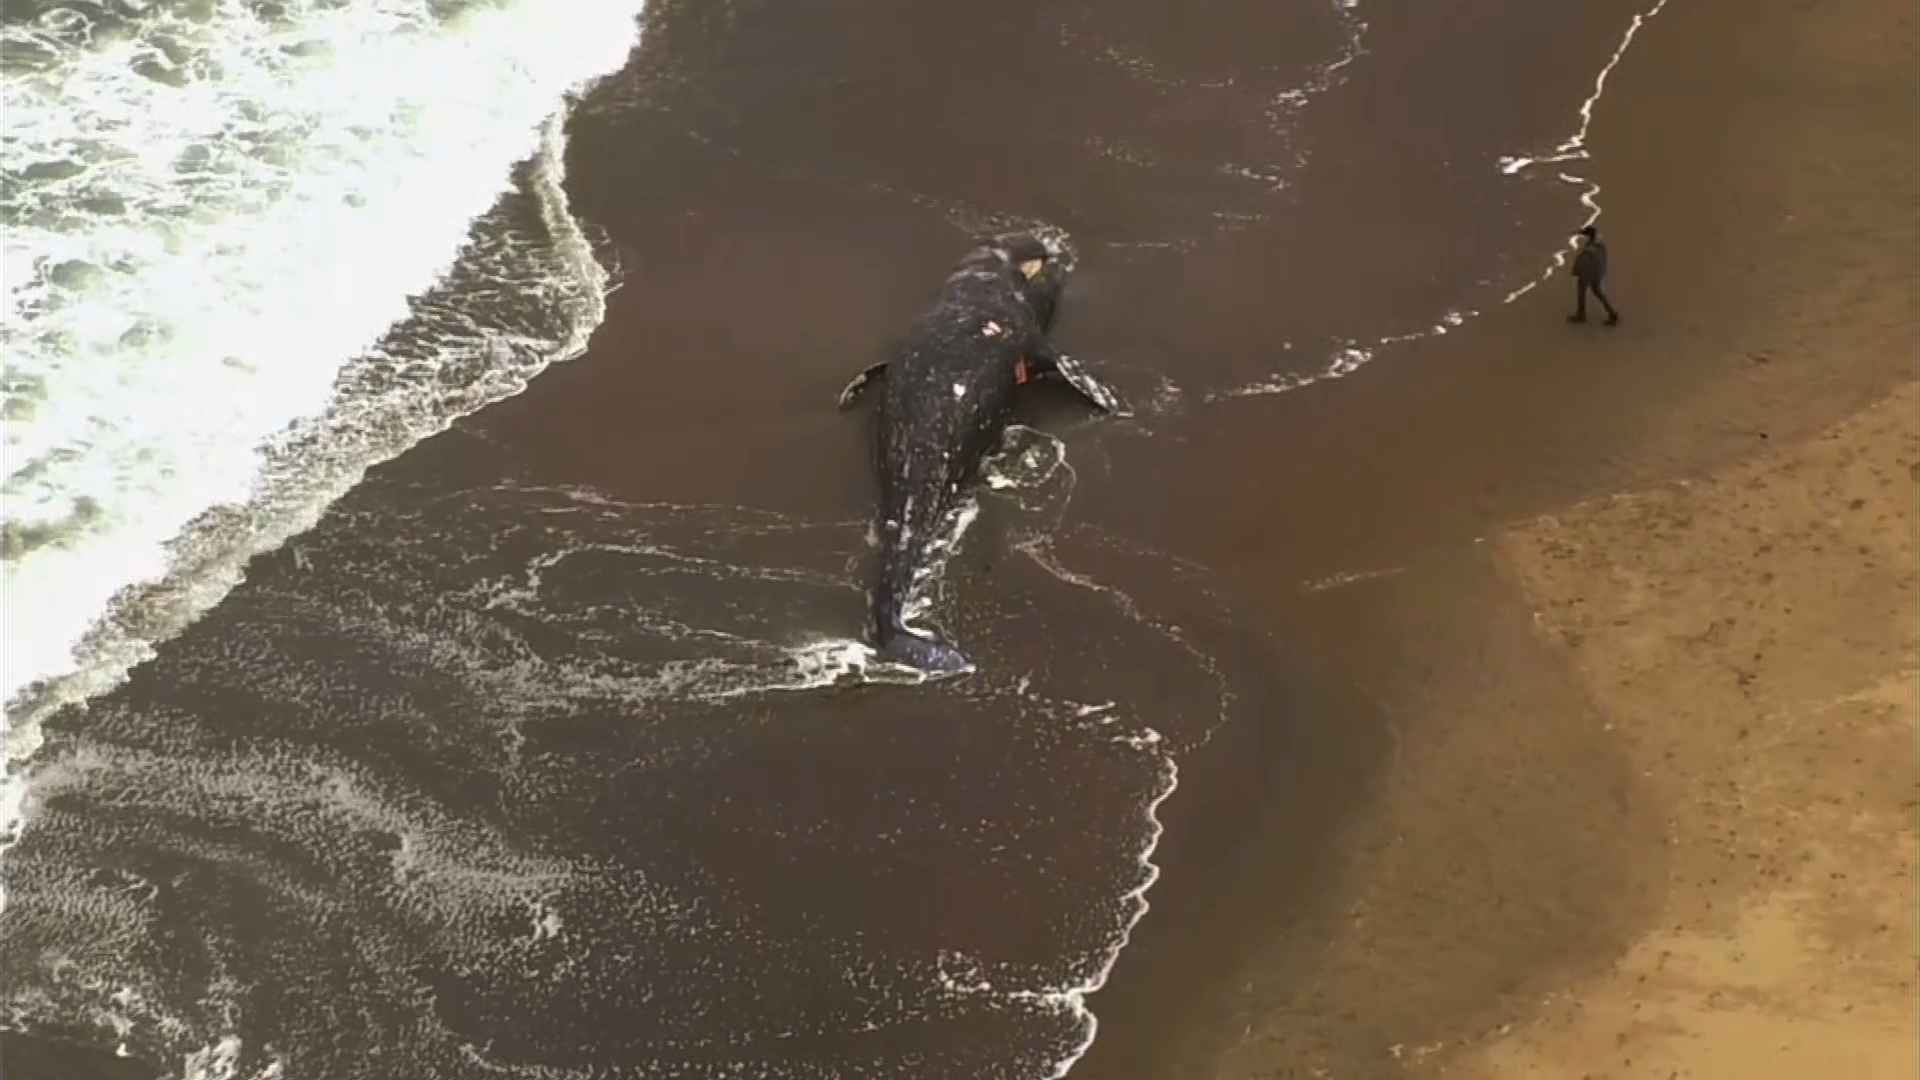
[[252, 249], [544, 786], [481, 776]]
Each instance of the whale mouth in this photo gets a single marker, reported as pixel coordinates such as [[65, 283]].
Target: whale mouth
[[1032, 251], [1054, 239]]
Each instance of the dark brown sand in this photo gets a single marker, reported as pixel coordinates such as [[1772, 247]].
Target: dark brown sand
[[1760, 195], [1422, 816], [1461, 820]]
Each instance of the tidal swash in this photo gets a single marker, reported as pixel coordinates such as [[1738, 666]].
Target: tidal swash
[[585, 788], [209, 307], [476, 776]]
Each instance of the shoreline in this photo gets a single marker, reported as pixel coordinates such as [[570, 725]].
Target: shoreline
[[1439, 821], [1800, 337], [1750, 641]]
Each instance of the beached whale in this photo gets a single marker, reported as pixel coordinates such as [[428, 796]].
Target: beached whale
[[945, 398]]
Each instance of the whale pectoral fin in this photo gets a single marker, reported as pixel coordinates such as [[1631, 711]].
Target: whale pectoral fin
[[1044, 359], [852, 392], [1091, 388]]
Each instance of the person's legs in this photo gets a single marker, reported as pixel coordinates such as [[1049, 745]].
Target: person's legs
[[1612, 315], [1579, 301]]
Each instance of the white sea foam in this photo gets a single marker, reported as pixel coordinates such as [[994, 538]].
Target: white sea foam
[[530, 561], [1350, 358], [213, 215], [1574, 148]]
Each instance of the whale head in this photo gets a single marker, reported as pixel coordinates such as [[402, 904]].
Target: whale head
[[1033, 263]]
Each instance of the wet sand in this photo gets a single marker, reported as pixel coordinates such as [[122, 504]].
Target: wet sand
[[1750, 640], [1426, 812], [1607, 838]]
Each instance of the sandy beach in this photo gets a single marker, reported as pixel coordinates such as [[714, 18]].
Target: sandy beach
[[1467, 693], [1647, 807], [1750, 640]]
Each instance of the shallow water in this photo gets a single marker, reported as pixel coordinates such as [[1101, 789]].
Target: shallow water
[[544, 752], [251, 250]]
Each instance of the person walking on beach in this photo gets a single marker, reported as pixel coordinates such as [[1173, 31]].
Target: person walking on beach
[[1589, 270]]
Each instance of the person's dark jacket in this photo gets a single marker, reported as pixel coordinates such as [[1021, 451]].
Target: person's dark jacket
[[1590, 265]]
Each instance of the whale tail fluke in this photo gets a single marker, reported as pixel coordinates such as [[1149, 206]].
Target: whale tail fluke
[[924, 653]]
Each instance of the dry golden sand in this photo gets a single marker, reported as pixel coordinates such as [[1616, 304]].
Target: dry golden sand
[[1650, 811], [1751, 642], [1747, 640], [1649, 805]]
